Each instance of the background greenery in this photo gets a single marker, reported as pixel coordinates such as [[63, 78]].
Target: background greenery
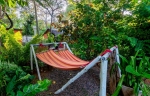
[[89, 26]]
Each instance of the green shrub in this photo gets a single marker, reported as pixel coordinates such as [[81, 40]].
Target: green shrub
[[28, 30], [33, 89], [98, 24], [136, 68], [14, 81], [13, 51]]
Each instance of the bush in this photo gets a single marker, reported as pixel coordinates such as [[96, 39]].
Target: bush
[[11, 50], [14, 81]]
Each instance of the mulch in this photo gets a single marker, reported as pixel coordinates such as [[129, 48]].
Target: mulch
[[86, 85]]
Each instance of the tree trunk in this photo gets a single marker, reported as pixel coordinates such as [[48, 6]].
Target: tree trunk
[[37, 29]]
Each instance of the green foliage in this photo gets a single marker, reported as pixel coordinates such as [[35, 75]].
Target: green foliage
[[28, 30], [50, 38], [12, 77], [11, 45], [98, 24], [33, 89], [145, 88], [13, 3], [137, 44], [93, 25], [136, 68], [14, 81], [15, 52], [139, 22], [25, 56], [119, 86]]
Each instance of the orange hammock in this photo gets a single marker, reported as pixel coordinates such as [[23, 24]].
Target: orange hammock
[[63, 59], [66, 60]]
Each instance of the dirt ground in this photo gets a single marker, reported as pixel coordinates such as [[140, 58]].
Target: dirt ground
[[86, 85]]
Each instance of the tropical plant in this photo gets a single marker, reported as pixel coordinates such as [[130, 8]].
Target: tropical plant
[[135, 69], [9, 72], [33, 89], [137, 44], [15, 82], [119, 86], [145, 88]]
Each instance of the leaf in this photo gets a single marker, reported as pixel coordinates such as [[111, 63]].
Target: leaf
[[2, 2], [139, 45], [146, 75], [11, 85], [131, 70], [44, 84], [33, 89], [133, 61], [19, 93], [136, 89], [94, 38], [133, 41], [12, 93], [26, 77], [119, 86], [113, 36], [11, 3], [25, 88], [148, 8], [123, 59]]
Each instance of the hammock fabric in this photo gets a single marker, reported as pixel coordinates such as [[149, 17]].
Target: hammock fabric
[[63, 59]]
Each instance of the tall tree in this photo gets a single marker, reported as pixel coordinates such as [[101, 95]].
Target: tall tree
[[54, 7], [27, 10]]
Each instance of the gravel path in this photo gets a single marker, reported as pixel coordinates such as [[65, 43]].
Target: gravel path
[[86, 85]]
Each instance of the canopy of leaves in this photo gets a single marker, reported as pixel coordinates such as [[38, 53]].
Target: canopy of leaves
[[98, 24], [12, 3]]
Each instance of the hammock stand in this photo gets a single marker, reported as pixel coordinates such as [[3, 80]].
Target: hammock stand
[[103, 58]]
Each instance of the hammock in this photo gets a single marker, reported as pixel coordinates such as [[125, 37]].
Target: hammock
[[63, 59]]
